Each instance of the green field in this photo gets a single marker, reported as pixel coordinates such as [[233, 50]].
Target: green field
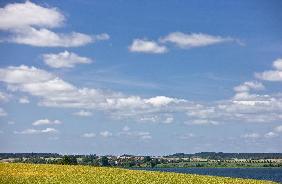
[[37, 173]]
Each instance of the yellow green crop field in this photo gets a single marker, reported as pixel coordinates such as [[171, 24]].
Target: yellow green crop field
[[43, 174]]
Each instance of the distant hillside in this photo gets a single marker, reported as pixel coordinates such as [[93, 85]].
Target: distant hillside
[[221, 155], [206, 155]]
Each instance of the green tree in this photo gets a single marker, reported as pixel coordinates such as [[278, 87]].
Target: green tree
[[147, 159], [69, 160], [104, 161]]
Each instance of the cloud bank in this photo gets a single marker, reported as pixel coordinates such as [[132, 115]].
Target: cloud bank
[[247, 105]]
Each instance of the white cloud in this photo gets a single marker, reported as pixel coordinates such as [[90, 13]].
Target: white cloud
[[53, 91], [88, 135], [46, 122], [277, 64], [83, 113], [35, 30], [270, 135], [201, 111], [250, 85], [162, 100], [146, 46], [38, 131], [160, 116], [272, 75], [45, 38], [180, 39], [278, 128], [24, 100], [21, 15], [203, 122], [49, 130], [251, 136], [106, 134], [136, 134], [23, 74], [149, 118], [64, 60], [183, 40]]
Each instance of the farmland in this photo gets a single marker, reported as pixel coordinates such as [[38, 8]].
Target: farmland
[[37, 173]]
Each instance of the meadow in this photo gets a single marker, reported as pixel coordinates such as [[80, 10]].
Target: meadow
[[11, 173]]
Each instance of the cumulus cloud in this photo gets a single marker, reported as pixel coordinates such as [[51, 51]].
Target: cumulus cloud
[[45, 38], [52, 91], [250, 85], [146, 46], [106, 134], [46, 122], [83, 113], [277, 64], [252, 108], [272, 75], [183, 40], [88, 135], [64, 60], [24, 100], [21, 15], [162, 101], [24, 74], [38, 131], [35, 30]]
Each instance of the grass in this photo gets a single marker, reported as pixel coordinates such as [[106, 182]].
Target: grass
[[43, 174]]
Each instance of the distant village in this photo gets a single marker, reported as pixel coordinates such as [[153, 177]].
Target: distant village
[[202, 159]]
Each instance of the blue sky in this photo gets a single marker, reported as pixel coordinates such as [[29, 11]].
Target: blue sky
[[140, 77]]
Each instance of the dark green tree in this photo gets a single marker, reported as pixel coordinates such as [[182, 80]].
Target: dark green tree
[[104, 161], [69, 160], [147, 159]]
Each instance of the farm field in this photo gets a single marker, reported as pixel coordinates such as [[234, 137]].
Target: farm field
[[37, 173]]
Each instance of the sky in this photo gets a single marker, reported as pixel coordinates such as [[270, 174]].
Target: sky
[[140, 77]]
